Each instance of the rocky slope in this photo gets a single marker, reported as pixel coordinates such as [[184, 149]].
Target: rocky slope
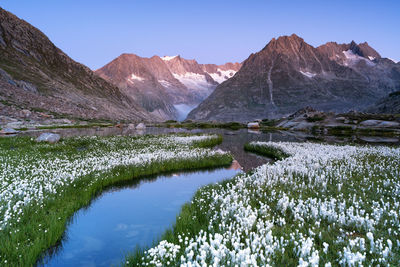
[[289, 74], [167, 87], [387, 105], [36, 75]]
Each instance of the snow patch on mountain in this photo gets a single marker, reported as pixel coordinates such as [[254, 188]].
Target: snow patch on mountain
[[222, 75], [135, 77], [164, 83], [167, 58], [308, 74], [352, 58], [193, 80], [395, 61]]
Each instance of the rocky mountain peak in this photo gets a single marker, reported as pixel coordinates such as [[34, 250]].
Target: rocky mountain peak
[[363, 50], [285, 43], [289, 74]]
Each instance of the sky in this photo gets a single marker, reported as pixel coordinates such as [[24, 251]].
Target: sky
[[94, 32]]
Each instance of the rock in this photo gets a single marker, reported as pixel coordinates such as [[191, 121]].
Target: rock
[[370, 123], [48, 137], [230, 133], [253, 125], [8, 131], [377, 139], [288, 124], [303, 126], [13, 125], [26, 113], [389, 124], [341, 119], [27, 86], [141, 126], [380, 123], [131, 126]]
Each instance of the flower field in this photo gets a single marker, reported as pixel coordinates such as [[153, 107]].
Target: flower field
[[42, 185], [320, 205]]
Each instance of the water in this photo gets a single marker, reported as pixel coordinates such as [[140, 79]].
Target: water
[[183, 110], [125, 217]]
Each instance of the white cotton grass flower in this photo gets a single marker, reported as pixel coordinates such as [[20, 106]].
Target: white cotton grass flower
[[319, 189], [25, 180]]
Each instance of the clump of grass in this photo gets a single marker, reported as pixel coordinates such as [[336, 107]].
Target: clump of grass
[[267, 151]]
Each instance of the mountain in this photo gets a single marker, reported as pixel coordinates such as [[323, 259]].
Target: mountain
[[36, 75], [387, 105], [167, 87], [288, 74]]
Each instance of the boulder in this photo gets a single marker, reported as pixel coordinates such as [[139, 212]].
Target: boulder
[[380, 123], [303, 126], [131, 126], [341, 119], [8, 131], [13, 125], [26, 113], [141, 126], [389, 124], [48, 137], [253, 125]]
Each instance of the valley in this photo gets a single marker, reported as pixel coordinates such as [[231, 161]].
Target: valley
[[289, 157]]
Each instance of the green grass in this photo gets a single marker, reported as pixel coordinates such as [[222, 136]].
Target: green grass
[[43, 226], [267, 151]]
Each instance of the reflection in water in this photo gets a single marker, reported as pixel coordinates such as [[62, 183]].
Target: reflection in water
[[127, 216]]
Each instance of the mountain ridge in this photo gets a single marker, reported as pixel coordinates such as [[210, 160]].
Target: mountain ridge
[[171, 84], [289, 74], [37, 74]]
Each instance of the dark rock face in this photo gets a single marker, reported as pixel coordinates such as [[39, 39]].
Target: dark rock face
[[37, 75], [387, 105], [289, 74], [161, 85]]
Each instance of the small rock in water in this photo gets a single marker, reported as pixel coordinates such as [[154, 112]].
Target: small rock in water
[[253, 125], [48, 137], [140, 126]]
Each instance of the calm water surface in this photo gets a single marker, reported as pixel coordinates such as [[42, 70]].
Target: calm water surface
[[129, 216]]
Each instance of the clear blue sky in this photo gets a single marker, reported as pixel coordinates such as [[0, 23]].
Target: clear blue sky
[[95, 32]]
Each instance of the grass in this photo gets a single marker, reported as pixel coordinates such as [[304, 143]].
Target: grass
[[267, 151], [41, 224], [324, 204]]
